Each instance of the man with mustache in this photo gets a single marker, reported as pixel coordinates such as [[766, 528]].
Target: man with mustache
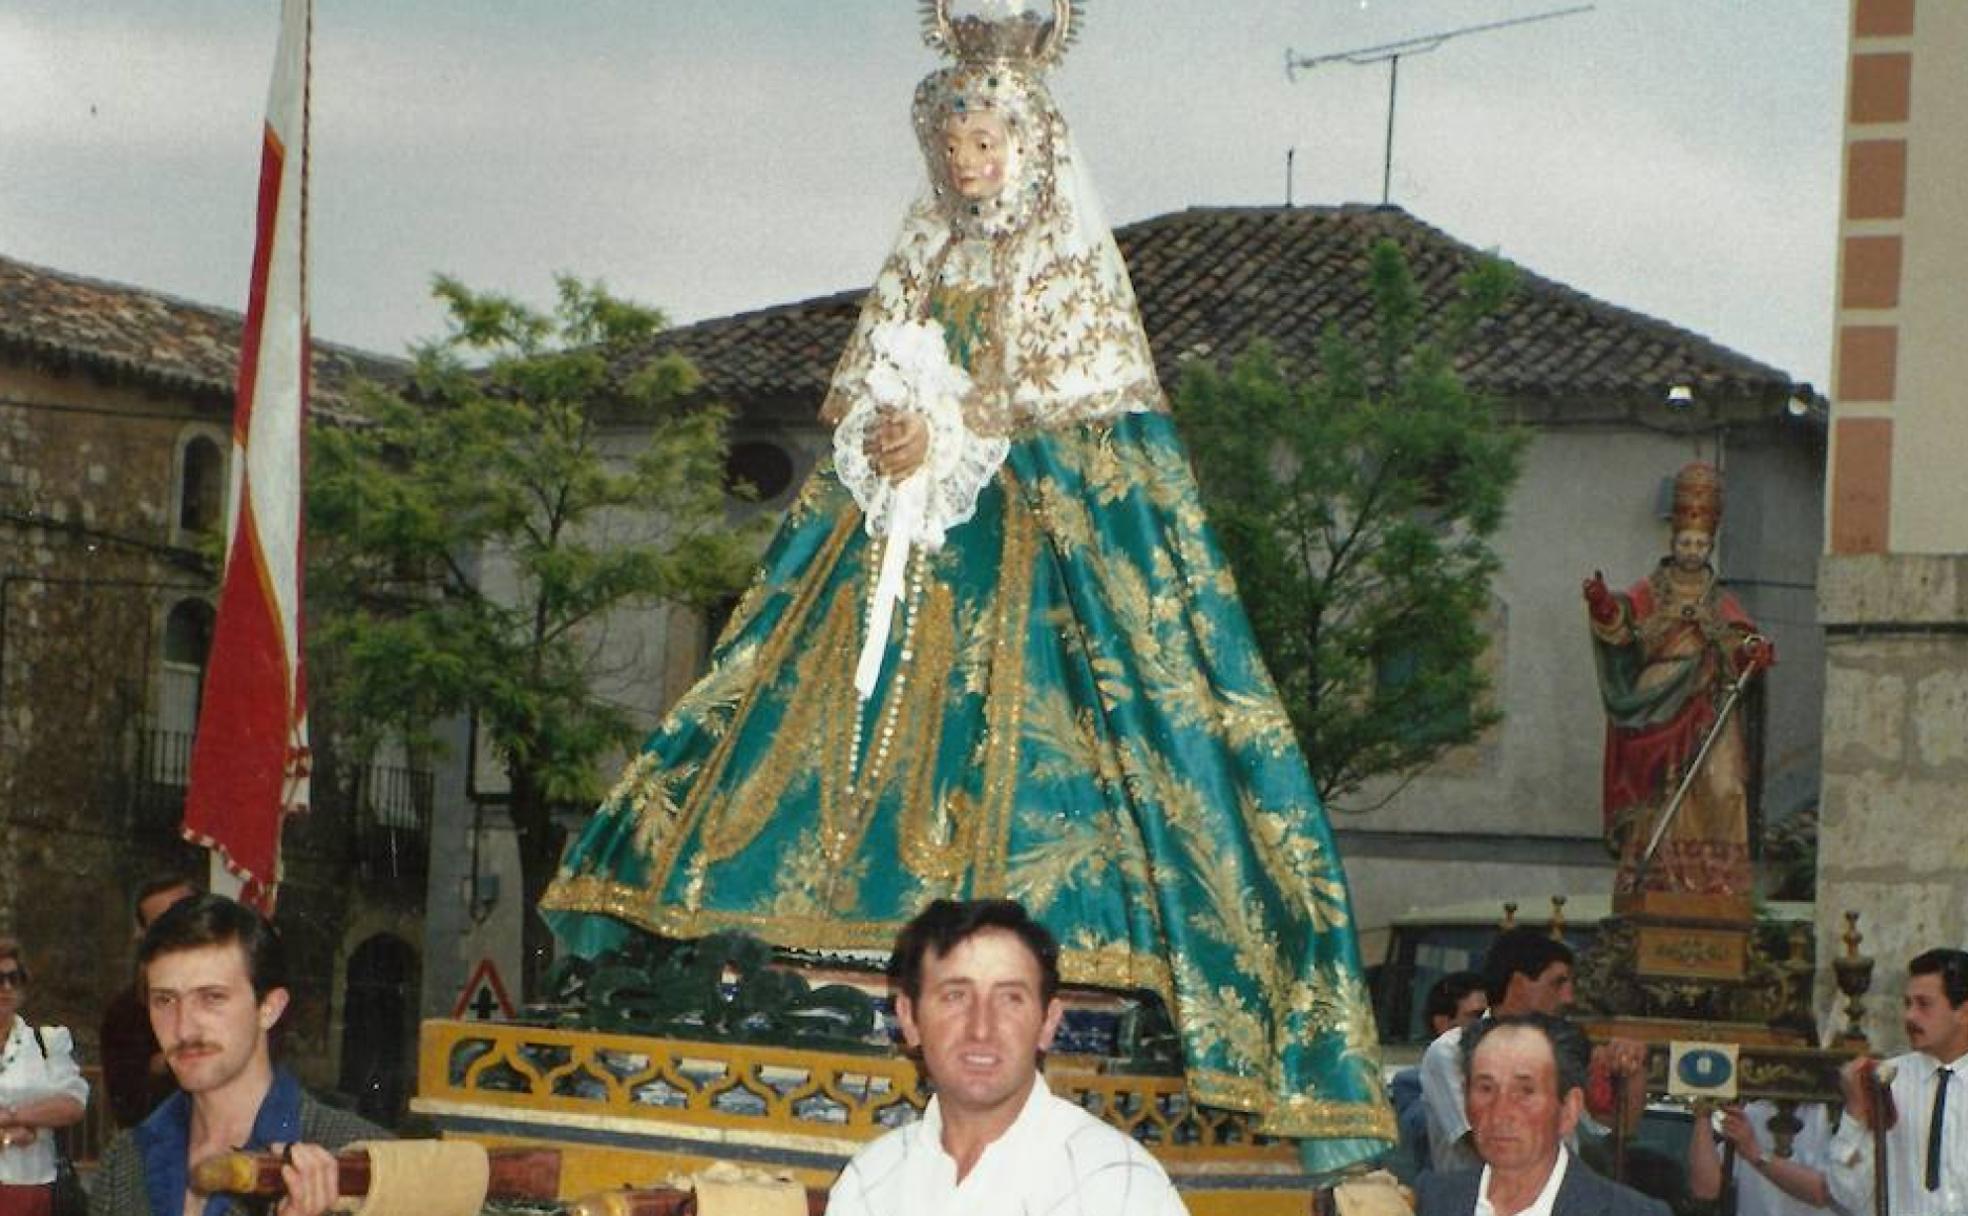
[[214, 979], [1927, 1143]]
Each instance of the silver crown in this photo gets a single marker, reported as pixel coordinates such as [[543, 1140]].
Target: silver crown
[[1023, 37]]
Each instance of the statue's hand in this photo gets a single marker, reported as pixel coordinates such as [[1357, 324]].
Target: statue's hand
[[898, 445], [1755, 653], [1598, 600]]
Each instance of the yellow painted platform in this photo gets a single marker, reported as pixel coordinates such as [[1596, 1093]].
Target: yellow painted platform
[[628, 1110]]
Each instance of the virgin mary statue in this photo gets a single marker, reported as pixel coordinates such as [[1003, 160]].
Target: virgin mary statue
[[995, 651]]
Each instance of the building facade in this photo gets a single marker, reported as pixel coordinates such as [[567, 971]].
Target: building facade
[[1894, 596], [115, 433]]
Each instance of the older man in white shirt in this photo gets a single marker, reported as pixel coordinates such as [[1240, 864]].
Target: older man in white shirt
[[1927, 1145], [976, 988]]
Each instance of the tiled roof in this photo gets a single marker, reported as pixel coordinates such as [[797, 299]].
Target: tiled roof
[[1211, 280], [128, 335]]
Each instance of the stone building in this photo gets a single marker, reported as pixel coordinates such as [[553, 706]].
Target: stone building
[[115, 433], [1894, 579], [1518, 813]]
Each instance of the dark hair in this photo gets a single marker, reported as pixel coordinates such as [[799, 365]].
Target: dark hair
[[1950, 965], [1448, 994], [158, 884], [10, 947], [214, 920], [1521, 951], [1571, 1051], [946, 923]]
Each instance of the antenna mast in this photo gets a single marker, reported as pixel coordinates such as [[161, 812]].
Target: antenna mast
[[1390, 53]]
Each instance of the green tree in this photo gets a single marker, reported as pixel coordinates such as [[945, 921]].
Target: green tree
[[471, 532], [1356, 507]]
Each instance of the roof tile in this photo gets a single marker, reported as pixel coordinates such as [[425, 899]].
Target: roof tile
[[144, 337], [1212, 280]]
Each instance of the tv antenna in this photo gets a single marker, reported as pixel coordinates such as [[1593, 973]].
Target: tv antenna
[[1390, 53]]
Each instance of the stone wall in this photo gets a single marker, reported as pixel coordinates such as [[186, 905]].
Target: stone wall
[[1893, 843], [92, 561]]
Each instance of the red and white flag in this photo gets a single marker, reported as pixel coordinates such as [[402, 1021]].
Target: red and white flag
[[249, 762]]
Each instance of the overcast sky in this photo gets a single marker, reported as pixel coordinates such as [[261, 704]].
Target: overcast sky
[[1679, 157]]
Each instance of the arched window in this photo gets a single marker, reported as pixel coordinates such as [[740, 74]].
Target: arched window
[[201, 485], [180, 683], [379, 1017], [188, 634]]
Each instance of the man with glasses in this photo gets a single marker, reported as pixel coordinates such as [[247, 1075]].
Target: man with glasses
[[1926, 1141]]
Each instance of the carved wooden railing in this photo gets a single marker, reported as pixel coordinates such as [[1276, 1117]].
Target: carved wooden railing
[[831, 1100]]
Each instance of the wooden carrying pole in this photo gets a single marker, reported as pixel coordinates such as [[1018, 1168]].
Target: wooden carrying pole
[[1884, 1115], [526, 1174]]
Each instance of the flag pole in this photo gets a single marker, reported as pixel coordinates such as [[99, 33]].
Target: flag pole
[[249, 761]]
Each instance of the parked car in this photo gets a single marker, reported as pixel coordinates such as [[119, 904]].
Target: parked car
[[1425, 944]]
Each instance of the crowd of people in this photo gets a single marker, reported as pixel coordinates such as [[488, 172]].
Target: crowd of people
[[1516, 1123], [1507, 1113], [195, 1076], [996, 646]]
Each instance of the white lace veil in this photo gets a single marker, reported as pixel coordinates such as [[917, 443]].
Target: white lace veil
[[1065, 338]]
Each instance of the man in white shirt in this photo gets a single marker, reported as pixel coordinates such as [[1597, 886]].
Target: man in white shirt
[[1766, 1184], [1526, 1083], [976, 994], [1927, 1141]]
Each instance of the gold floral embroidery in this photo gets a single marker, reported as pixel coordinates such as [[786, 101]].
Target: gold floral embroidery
[[1297, 863], [1005, 700], [774, 655]]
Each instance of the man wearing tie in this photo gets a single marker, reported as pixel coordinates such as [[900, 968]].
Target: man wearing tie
[[1926, 1145]]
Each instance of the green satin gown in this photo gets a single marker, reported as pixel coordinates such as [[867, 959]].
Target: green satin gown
[[1073, 713]]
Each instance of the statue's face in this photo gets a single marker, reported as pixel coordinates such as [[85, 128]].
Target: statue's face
[[1691, 549], [976, 151]]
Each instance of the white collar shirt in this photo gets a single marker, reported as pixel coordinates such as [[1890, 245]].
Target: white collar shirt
[[1756, 1195], [1851, 1165], [1541, 1206], [1054, 1160], [1441, 1099], [27, 1076]]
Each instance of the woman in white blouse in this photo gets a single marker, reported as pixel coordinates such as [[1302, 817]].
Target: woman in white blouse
[[40, 1089]]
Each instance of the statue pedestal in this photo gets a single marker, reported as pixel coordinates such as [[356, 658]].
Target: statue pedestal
[[1678, 936], [1703, 960], [1670, 969]]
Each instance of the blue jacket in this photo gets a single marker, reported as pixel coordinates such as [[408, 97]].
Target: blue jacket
[[145, 1169]]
